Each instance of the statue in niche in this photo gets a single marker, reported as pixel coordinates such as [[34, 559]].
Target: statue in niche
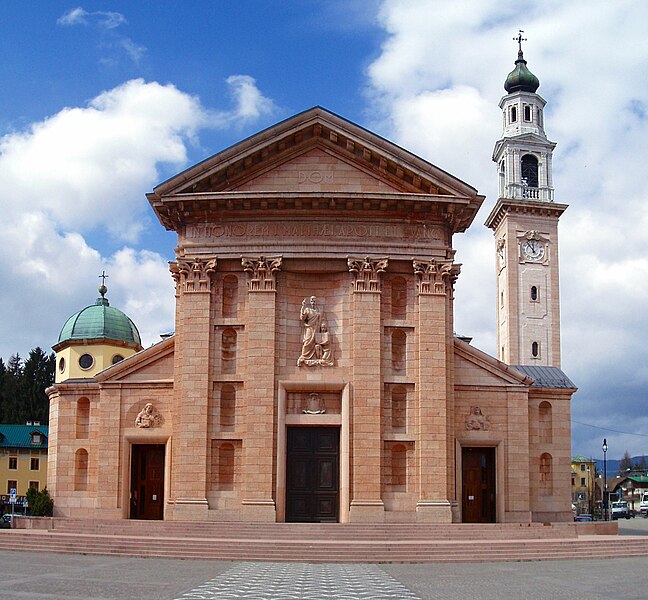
[[148, 417], [315, 405], [316, 343], [476, 420]]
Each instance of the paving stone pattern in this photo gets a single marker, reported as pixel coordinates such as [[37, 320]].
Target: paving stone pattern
[[301, 581]]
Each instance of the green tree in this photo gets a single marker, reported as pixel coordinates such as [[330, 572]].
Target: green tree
[[3, 372], [13, 394], [40, 503], [37, 376]]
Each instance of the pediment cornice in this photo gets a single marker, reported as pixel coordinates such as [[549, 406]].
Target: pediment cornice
[[212, 184]]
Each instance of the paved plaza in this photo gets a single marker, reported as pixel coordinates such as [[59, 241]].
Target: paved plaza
[[49, 576]]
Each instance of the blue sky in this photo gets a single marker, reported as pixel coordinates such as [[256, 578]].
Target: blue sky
[[103, 100]]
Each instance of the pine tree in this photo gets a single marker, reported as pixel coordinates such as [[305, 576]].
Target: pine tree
[[37, 376], [3, 372], [13, 394]]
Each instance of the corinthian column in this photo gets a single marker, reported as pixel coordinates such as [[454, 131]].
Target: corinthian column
[[192, 382], [258, 470], [366, 357], [435, 388]]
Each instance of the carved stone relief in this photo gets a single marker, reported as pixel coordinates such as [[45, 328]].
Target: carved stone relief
[[316, 342], [476, 420], [148, 417], [315, 405]]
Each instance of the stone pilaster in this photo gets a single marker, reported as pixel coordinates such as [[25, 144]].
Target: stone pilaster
[[193, 381], [366, 358], [109, 463], [434, 385], [258, 500]]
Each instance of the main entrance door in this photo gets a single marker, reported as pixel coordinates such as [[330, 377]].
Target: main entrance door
[[147, 481], [478, 474], [312, 474]]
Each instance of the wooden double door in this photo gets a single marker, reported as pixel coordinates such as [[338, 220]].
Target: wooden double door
[[478, 495], [147, 481], [313, 474]]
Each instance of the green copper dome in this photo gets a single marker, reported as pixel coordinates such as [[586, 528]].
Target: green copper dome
[[100, 321], [521, 79]]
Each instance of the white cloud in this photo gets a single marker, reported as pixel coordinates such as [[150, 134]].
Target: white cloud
[[435, 89], [250, 102], [80, 16], [69, 178]]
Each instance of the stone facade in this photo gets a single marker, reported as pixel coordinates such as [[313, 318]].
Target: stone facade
[[314, 313]]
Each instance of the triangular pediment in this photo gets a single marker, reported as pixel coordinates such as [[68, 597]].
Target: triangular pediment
[[318, 153], [154, 364], [476, 368], [318, 169]]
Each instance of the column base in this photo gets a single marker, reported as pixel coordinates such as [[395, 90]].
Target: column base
[[433, 511], [263, 511], [367, 511], [187, 509]]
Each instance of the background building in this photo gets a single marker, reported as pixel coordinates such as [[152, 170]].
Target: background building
[[23, 462]]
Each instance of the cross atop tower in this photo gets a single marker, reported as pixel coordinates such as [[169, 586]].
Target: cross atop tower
[[519, 39], [103, 277]]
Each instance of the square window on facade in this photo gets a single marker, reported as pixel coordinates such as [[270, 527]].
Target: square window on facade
[[35, 464], [35, 485], [582, 467], [12, 484], [582, 481], [13, 463]]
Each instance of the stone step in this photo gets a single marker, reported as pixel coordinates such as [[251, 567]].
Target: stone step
[[320, 550], [319, 531]]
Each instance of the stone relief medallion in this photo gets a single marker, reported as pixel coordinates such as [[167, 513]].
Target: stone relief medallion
[[315, 405], [148, 417], [476, 420], [316, 343]]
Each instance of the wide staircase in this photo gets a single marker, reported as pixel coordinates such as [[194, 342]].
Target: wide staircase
[[320, 542]]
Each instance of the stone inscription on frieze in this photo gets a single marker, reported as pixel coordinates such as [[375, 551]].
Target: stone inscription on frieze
[[205, 233]]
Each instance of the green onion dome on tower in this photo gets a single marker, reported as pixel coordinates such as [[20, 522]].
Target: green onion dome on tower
[[100, 321], [521, 79]]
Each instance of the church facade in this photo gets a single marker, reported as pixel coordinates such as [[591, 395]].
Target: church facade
[[314, 374]]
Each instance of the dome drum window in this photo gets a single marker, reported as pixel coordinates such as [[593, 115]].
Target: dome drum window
[[62, 365], [86, 361]]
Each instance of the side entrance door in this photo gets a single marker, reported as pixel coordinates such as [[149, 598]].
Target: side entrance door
[[312, 474], [147, 481], [478, 474]]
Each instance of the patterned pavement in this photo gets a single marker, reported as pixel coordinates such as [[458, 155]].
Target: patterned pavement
[[261, 581]]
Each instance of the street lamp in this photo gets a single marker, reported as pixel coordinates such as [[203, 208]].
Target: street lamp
[[605, 496]]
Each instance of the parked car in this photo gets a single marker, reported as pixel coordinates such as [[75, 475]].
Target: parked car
[[583, 518], [620, 510], [643, 505]]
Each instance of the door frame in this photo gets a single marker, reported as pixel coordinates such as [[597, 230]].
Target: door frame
[[498, 445], [340, 420], [126, 467], [316, 455], [164, 475]]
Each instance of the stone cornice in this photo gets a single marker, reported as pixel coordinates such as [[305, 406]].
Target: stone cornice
[[535, 208], [175, 211]]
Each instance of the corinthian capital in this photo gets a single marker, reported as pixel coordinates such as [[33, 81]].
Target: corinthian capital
[[262, 272], [435, 277], [193, 275], [367, 272]]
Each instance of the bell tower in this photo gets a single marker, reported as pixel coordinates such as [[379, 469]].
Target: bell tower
[[525, 223]]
